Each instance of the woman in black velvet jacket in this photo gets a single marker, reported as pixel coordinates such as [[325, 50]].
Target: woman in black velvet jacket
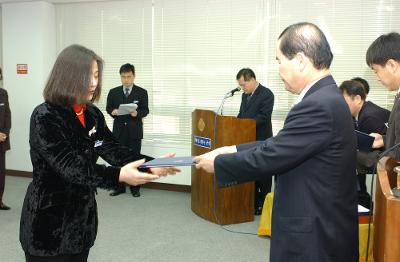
[[67, 135]]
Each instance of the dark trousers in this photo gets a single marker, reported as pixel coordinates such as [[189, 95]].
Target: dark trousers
[[364, 198], [136, 145], [2, 173], [262, 188], [81, 257]]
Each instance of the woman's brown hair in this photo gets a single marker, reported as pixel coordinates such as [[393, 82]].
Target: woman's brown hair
[[69, 79]]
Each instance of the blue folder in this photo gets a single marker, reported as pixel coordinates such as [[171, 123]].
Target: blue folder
[[169, 161], [364, 141]]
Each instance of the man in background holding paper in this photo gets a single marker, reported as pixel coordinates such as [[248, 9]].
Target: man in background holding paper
[[368, 118], [128, 105]]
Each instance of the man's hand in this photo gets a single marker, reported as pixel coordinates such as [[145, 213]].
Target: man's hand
[[378, 142], [114, 112], [206, 161], [133, 114], [3, 137]]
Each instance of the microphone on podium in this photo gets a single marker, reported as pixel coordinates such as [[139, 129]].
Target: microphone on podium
[[227, 95], [233, 91]]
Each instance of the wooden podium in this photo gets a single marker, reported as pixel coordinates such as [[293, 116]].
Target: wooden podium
[[386, 214], [232, 204]]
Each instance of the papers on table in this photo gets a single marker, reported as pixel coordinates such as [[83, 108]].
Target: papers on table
[[169, 161], [125, 109]]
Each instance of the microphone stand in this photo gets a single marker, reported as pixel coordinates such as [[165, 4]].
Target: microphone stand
[[221, 107]]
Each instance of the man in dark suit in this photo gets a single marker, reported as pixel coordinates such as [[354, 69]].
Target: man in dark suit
[[257, 103], [368, 118], [314, 216], [5, 126], [128, 128], [383, 56]]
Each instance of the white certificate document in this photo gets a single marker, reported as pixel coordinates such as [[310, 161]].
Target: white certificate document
[[125, 109]]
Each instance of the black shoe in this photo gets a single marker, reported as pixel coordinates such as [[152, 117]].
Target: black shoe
[[258, 211], [4, 207], [117, 192], [135, 192]]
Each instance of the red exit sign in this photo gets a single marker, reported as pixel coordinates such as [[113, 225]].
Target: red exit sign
[[22, 69]]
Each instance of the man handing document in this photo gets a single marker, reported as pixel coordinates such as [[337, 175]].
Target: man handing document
[[314, 215]]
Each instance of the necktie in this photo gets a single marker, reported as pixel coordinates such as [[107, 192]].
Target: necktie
[[355, 124], [126, 92], [248, 98]]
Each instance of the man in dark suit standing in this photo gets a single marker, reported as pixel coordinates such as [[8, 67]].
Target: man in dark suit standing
[[314, 216], [5, 126], [128, 128], [383, 56], [257, 103], [368, 118]]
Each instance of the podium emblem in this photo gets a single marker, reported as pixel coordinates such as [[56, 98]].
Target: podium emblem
[[201, 125]]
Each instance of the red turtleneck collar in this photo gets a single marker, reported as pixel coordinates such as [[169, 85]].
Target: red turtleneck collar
[[79, 111]]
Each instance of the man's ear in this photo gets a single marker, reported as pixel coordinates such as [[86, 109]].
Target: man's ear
[[302, 61], [393, 66], [358, 99]]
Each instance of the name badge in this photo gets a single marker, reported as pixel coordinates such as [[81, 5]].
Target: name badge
[[1, 104], [98, 143]]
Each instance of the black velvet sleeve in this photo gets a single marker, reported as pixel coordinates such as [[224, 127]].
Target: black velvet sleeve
[[111, 150], [55, 147]]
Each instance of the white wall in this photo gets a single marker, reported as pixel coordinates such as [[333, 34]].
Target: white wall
[[29, 37]]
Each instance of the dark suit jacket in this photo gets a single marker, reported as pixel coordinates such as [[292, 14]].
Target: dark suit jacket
[[5, 119], [314, 216], [59, 214], [393, 133], [371, 119], [259, 108], [128, 127]]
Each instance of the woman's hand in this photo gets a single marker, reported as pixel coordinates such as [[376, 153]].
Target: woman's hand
[[132, 176], [164, 171]]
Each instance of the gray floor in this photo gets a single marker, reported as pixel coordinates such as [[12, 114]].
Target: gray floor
[[159, 226]]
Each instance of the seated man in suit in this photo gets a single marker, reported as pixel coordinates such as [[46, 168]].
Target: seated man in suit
[[368, 118], [257, 103]]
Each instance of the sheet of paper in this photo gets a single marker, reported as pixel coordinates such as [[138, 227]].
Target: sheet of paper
[[125, 109]]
